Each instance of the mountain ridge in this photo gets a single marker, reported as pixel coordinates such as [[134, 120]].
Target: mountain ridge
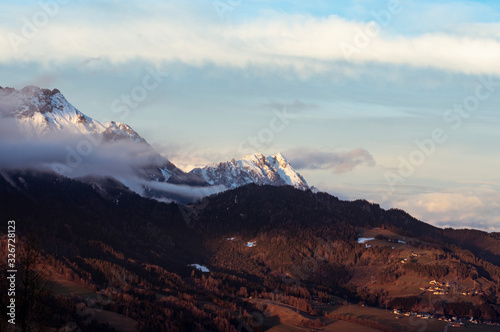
[[257, 243], [41, 112], [256, 168]]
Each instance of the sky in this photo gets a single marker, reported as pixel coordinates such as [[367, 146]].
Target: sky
[[395, 102]]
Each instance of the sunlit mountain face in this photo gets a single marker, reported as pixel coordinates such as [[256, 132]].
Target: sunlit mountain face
[[249, 166]]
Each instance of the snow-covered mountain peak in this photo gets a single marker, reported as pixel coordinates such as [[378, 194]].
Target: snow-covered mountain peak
[[39, 112], [280, 159], [42, 111], [29, 100], [287, 172], [258, 157], [256, 168], [117, 131]]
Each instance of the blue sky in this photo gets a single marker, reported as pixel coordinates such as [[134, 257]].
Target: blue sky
[[362, 82]]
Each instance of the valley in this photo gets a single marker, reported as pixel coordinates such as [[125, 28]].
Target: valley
[[275, 257]]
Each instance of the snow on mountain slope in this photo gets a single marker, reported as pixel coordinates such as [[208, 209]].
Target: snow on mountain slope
[[273, 170], [40, 112]]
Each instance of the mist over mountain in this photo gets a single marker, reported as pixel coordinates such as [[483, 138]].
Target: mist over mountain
[[209, 249], [42, 130], [249, 166]]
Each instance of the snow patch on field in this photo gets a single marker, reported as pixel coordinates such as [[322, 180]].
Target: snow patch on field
[[200, 267], [365, 239]]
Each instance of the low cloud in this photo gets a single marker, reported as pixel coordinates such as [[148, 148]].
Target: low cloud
[[443, 208], [338, 162], [474, 205], [78, 156], [462, 205], [187, 193], [73, 155], [446, 202], [465, 206]]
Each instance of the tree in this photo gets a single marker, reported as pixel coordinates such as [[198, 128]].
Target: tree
[[32, 290]]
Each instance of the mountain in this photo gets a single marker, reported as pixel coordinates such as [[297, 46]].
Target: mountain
[[40, 113], [270, 256], [273, 170], [267, 254]]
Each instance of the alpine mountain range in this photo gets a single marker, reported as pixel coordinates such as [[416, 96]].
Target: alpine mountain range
[[42, 113], [125, 242]]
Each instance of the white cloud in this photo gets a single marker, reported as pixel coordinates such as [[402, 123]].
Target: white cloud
[[185, 156], [474, 206], [338, 162], [435, 204], [460, 205], [305, 43]]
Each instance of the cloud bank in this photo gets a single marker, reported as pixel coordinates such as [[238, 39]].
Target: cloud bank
[[465, 205], [305, 43], [475, 207], [78, 156], [338, 162]]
